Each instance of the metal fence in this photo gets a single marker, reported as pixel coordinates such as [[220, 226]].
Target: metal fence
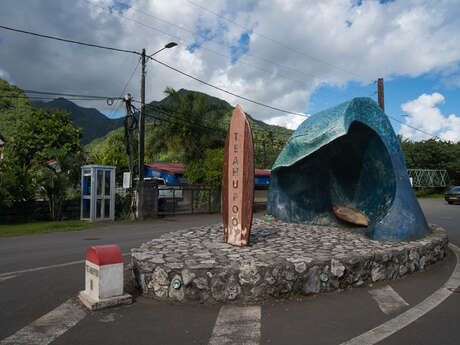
[[187, 199], [428, 177], [194, 199]]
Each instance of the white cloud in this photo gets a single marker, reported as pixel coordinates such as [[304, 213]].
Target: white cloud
[[424, 115], [5, 76], [294, 47], [288, 121]]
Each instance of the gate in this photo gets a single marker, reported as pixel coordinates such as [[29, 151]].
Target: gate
[[187, 199]]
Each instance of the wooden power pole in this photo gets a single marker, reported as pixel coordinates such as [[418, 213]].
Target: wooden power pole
[[380, 94], [140, 183], [129, 126]]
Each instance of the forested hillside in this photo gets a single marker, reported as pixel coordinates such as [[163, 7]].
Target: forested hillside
[[93, 123], [190, 127]]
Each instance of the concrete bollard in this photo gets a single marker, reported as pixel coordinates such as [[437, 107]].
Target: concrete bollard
[[104, 278]]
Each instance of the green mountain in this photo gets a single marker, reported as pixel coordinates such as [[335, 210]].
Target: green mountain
[[14, 104], [259, 128], [268, 139], [93, 123]]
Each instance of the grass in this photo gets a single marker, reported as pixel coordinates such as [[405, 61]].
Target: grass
[[430, 196], [35, 228], [43, 227]]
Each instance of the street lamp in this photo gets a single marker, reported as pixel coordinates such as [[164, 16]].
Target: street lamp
[[140, 184], [167, 46]]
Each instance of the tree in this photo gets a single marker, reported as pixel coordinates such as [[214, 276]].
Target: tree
[[56, 176], [433, 154], [111, 150], [189, 127], [44, 151], [207, 170]]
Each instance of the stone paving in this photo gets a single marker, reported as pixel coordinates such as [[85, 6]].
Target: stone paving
[[283, 260]]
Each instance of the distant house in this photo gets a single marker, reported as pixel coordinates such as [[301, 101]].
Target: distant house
[[173, 173], [166, 173], [262, 177], [2, 146]]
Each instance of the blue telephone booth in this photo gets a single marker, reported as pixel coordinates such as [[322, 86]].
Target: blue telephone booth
[[97, 192]]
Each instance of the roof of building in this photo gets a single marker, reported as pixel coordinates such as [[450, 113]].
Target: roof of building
[[179, 169], [262, 173], [170, 168]]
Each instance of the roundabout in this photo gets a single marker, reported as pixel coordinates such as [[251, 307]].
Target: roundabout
[[284, 260]]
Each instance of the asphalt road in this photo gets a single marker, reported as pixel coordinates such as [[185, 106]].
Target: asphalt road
[[325, 319]]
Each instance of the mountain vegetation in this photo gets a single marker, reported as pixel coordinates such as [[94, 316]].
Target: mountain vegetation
[[93, 123], [190, 127], [43, 155], [185, 126], [14, 105], [433, 154]]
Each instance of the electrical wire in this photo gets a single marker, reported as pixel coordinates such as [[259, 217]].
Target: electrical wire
[[275, 41], [226, 91], [48, 98], [168, 118], [69, 41], [118, 103], [415, 128], [168, 66], [62, 94], [192, 32]]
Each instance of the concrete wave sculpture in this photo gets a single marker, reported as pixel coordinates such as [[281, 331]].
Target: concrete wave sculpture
[[349, 156]]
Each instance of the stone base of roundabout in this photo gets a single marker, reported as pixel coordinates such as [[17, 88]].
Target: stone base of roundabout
[[283, 260]]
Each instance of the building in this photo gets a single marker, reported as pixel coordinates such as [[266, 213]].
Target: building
[[173, 173], [166, 173]]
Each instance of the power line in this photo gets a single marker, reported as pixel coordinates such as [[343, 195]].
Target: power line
[[62, 94], [414, 128], [48, 98], [164, 64], [117, 105], [181, 120], [226, 91], [69, 41], [180, 27], [274, 41]]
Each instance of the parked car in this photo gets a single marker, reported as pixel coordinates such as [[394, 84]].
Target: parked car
[[453, 195]]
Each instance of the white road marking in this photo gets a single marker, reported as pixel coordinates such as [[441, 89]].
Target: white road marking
[[50, 326], [46, 267], [3, 278], [388, 300], [237, 325], [403, 320]]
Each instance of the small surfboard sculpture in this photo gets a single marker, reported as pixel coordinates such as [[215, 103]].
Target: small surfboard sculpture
[[238, 180], [350, 215]]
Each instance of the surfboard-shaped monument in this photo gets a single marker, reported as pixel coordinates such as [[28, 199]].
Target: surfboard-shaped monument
[[238, 180]]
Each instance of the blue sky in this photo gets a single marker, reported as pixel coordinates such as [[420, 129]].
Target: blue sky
[[397, 90]]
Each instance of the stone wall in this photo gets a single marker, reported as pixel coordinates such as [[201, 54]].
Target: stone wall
[[283, 260]]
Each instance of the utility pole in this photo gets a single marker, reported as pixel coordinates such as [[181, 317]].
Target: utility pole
[[380, 94], [140, 183], [129, 126]]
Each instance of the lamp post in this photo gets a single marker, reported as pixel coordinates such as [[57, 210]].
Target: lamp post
[[140, 184]]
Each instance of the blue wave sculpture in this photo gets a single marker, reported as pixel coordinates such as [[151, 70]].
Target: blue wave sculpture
[[347, 155]]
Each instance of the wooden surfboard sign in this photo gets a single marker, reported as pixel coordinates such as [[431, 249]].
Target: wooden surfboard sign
[[238, 180]]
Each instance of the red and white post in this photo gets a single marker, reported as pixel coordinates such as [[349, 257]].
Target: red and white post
[[104, 278]]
